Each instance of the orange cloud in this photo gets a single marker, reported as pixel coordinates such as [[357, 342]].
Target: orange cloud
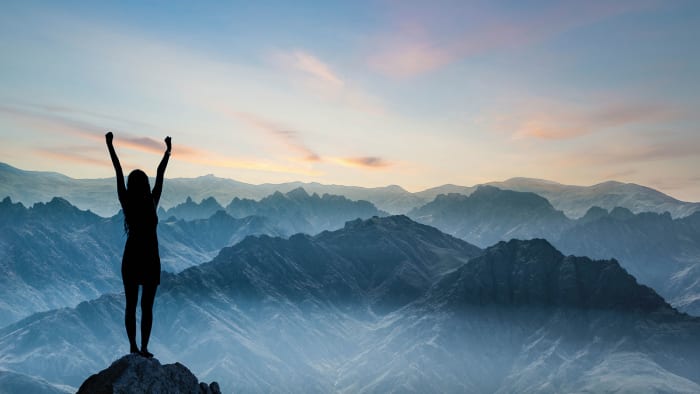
[[568, 123], [50, 122], [368, 162], [72, 156]]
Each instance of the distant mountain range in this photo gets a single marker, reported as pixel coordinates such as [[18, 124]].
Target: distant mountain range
[[660, 251], [98, 195], [294, 212], [54, 254], [382, 305]]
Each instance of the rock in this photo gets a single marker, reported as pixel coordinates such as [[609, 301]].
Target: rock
[[136, 374]]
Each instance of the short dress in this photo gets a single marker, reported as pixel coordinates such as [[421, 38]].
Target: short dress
[[141, 261]]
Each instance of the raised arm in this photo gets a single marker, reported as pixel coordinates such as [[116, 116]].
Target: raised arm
[[121, 188], [158, 187]]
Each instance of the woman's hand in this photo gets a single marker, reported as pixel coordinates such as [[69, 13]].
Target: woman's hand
[[109, 137], [167, 143]]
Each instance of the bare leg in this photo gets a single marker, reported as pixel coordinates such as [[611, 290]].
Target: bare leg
[[131, 291], [147, 298]]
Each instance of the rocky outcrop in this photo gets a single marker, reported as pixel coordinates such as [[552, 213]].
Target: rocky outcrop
[[136, 374]]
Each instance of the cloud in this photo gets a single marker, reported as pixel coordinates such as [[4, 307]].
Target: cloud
[[321, 80], [72, 155], [287, 136], [311, 65], [424, 38], [628, 153], [46, 122], [558, 122], [367, 162]]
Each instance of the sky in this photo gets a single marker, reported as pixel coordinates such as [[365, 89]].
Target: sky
[[368, 93]]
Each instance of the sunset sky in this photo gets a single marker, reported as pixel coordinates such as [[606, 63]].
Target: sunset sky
[[365, 93]]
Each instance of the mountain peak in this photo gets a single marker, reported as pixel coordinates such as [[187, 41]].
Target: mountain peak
[[534, 273], [297, 193], [136, 374]]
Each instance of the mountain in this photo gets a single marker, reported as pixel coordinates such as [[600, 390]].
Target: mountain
[[489, 215], [54, 255], [575, 201], [247, 314], [383, 305], [522, 317], [298, 212], [190, 210], [99, 195], [659, 250]]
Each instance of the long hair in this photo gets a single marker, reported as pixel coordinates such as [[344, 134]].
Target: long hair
[[139, 212]]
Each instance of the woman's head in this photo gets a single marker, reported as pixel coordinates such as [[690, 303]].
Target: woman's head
[[137, 184], [139, 211]]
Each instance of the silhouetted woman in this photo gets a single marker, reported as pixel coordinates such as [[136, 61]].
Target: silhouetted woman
[[141, 262]]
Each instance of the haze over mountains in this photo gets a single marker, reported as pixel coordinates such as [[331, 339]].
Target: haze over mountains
[[97, 195], [386, 304], [659, 250], [376, 304]]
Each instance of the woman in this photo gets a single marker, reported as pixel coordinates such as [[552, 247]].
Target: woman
[[141, 262]]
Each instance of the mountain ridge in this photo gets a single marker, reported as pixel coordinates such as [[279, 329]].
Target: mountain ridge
[[573, 200], [327, 313]]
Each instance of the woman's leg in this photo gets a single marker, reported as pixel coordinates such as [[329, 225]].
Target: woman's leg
[[147, 298], [131, 291]]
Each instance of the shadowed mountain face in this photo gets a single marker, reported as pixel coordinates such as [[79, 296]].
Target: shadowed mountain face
[[490, 215], [385, 304], [660, 251], [54, 255]]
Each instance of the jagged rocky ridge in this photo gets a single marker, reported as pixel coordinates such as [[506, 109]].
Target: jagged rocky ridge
[[293, 212], [660, 251], [134, 374], [54, 255], [387, 304]]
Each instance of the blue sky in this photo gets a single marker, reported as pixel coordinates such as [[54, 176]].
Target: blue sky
[[363, 93]]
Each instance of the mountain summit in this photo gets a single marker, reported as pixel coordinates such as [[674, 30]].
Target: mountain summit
[[135, 375]]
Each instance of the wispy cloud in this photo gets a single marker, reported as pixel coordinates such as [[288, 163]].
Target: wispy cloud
[[559, 122], [321, 79], [629, 153], [368, 162], [424, 38], [47, 122], [72, 155], [288, 136], [314, 67]]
